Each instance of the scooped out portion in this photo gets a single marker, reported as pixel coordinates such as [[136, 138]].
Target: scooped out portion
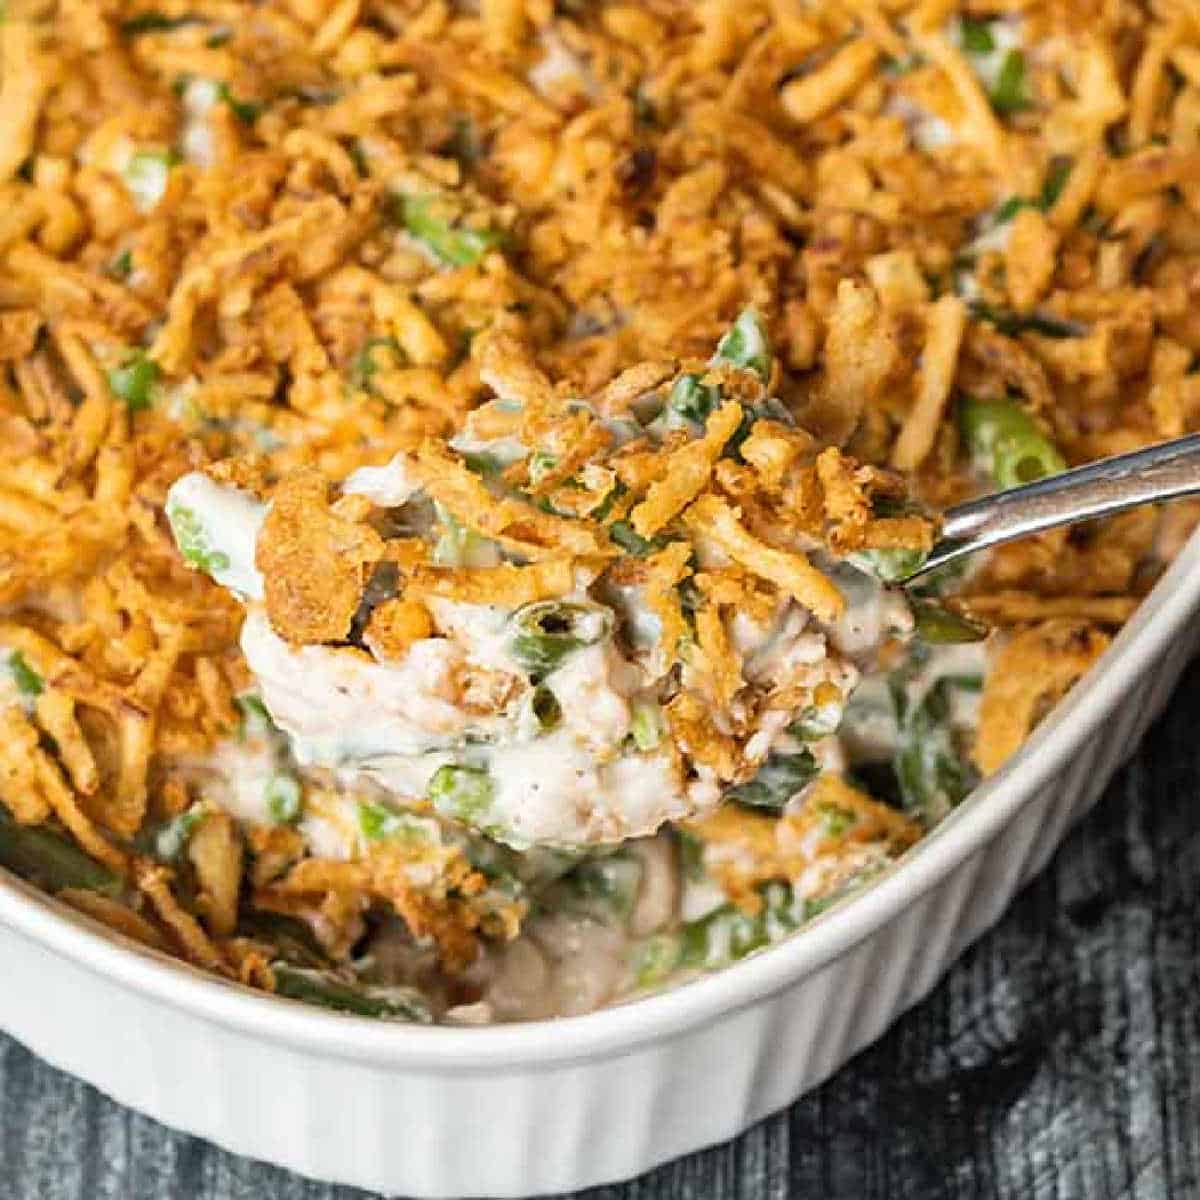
[[576, 620]]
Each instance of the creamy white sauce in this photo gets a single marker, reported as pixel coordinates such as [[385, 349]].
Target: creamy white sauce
[[558, 65], [196, 137], [388, 486], [229, 522], [928, 132], [339, 705]]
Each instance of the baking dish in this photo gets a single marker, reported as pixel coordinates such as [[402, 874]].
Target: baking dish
[[553, 1106]]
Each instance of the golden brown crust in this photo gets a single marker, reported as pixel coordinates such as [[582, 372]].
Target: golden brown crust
[[314, 563]]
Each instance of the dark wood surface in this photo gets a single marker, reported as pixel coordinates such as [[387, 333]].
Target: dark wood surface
[[1059, 1059]]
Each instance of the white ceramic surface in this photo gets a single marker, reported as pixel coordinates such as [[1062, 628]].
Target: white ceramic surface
[[553, 1106]]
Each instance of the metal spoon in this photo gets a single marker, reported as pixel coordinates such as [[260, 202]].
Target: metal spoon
[[1164, 472]]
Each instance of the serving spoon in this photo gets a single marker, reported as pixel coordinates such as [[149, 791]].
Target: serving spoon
[[1167, 471]]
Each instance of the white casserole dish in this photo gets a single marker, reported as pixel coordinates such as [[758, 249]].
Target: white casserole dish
[[555, 1106]]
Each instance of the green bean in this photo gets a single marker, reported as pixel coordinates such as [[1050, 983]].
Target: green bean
[[29, 682], [941, 626], [625, 536], [51, 861], [645, 726], [540, 465], [254, 720], [891, 565], [836, 820], [134, 382], [121, 267], [146, 175], [746, 345], [192, 539], [932, 774], [777, 781], [545, 707], [610, 883], [457, 245], [170, 840], [461, 793], [816, 721], [463, 145], [1005, 441], [1010, 93], [1012, 323], [365, 363], [547, 632], [655, 959], [327, 990], [976, 36], [291, 937], [1056, 180], [459, 546], [152, 22], [896, 67], [691, 855], [482, 463], [729, 933], [246, 111], [378, 822], [692, 401], [285, 798]]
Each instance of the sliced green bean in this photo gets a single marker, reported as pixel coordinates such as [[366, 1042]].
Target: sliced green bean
[[646, 725], [153, 22], [625, 536], [1011, 93], [1004, 440], [327, 990], [611, 883], [777, 781], [547, 632], [460, 546], [746, 345], [1012, 323], [291, 937], [29, 683], [379, 822], [941, 626], [546, 709], [254, 719], [816, 721], [170, 840], [933, 775], [656, 959], [192, 539], [729, 933], [134, 382], [121, 266], [890, 565], [146, 175], [285, 798], [461, 793], [455, 244], [976, 36], [246, 111], [50, 860], [692, 401]]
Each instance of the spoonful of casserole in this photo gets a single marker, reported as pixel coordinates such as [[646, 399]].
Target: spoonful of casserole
[[573, 621]]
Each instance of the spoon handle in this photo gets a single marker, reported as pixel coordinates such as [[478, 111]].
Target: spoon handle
[[1099, 489]]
